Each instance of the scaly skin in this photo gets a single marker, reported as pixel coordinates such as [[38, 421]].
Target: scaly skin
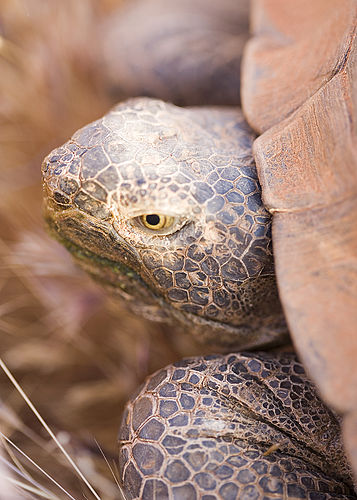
[[239, 426], [213, 269], [210, 269]]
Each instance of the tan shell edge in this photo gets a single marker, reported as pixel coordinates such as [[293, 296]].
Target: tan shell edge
[[299, 88]]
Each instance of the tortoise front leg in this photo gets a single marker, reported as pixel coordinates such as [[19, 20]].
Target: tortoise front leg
[[235, 426]]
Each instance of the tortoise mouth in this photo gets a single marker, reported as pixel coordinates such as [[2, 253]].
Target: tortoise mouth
[[114, 273], [124, 281]]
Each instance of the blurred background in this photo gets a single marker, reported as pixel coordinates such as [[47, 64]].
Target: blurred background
[[77, 355]]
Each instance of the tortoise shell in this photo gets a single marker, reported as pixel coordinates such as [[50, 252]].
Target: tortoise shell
[[299, 92]]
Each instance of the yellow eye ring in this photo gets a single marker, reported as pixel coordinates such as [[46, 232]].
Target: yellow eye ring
[[156, 222]]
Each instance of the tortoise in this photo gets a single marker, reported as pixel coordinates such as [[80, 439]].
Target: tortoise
[[162, 205]]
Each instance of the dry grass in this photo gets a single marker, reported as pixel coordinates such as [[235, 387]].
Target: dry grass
[[77, 355]]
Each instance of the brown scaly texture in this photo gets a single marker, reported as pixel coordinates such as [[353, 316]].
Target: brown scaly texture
[[212, 269], [206, 428]]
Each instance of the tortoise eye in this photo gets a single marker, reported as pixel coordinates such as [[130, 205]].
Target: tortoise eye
[[156, 222]]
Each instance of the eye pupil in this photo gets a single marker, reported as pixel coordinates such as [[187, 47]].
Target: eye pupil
[[156, 222], [152, 219]]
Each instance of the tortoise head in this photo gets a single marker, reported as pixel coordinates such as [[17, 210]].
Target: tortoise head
[[162, 204]]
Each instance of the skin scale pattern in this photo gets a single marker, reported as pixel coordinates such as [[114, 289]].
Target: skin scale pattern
[[202, 428], [212, 270]]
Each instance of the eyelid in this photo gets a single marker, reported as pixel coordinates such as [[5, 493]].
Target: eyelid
[[133, 214]]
